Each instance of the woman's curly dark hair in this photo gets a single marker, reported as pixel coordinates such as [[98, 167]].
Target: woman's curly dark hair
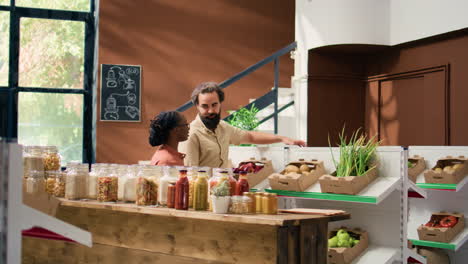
[[161, 126]]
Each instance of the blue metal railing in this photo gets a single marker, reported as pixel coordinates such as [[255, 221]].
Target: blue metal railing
[[266, 99]]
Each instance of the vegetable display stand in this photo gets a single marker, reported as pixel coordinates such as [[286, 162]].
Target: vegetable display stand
[[346, 254], [297, 176], [257, 170], [416, 165], [162, 235], [348, 184], [448, 170], [439, 197]]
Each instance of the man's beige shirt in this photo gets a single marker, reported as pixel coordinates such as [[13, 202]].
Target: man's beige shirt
[[207, 148]]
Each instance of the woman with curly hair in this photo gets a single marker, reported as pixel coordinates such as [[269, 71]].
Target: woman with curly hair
[[167, 129]]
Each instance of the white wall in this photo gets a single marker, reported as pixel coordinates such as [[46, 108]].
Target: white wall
[[327, 22], [416, 19], [384, 22]]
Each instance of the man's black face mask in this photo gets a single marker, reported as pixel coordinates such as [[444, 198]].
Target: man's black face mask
[[211, 121]]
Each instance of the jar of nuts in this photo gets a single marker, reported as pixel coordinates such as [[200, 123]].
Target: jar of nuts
[[59, 187], [240, 204], [51, 158]]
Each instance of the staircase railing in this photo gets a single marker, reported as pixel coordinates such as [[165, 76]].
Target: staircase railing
[[265, 100]]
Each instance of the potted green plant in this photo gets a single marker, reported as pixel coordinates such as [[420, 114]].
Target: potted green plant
[[220, 197], [245, 119]]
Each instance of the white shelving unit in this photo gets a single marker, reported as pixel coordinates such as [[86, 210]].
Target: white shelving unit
[[377, 209], [433, 153], [21, 216], [449, 198]]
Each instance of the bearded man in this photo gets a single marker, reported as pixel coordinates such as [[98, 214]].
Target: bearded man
[[210, 137]]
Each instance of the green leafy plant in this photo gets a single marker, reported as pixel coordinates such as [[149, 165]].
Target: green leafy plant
[[245, 118], [356, 154], [221, 189]]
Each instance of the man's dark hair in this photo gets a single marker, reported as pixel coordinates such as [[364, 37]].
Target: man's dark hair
[[207, 87], [161, 125]]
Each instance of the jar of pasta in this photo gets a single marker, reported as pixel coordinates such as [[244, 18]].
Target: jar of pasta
[[146, 189], [50, 181], [51, 158]]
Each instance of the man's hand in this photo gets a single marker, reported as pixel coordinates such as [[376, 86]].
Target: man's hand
[[290, 141]]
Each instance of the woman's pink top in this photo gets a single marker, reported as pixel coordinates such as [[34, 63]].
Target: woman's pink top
[[167, 156]]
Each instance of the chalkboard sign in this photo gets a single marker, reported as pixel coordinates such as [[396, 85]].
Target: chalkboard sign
[[120, 93]]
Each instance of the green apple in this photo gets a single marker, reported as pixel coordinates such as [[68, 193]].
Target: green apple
[[333, 242]]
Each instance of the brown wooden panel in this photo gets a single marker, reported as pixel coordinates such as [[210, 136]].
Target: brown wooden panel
[[413, 110], [333, 104], [43, 251], [372, 108], [210, 240], [180, 44]]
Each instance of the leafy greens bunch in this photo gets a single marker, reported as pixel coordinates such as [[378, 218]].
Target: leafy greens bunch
[[356, 154]]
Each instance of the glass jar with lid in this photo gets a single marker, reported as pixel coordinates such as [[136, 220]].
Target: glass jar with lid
[[192, 173], [35, 182], [33, 160], [51, 158], [200, 192], [270, 203], [108, 187], [25, 153], [146, 189], [182, 191], [171, 174], [240, 204], [76, 182], [252, 202], [59, 187], [93, 180], [50, 181], [129, 192], [71, 165], [122, 177]]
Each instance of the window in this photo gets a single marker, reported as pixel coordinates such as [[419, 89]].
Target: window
[[4, 40], [51, 53], [75, 5], [48, 54]]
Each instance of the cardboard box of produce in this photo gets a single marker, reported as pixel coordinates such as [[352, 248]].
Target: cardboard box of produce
[[448, 170], [433, 255], [348, 184], [258, 170], [436, 231], [416, 165], [345, 255], [297, 176]]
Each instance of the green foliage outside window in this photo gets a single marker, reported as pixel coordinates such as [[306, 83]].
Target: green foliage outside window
[[51, 56]]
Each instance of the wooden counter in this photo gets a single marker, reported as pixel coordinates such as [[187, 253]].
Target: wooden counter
[[126, 233]]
